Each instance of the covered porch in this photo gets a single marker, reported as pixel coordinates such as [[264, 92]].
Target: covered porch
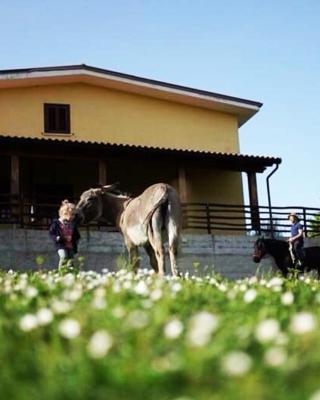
[[36, 174]]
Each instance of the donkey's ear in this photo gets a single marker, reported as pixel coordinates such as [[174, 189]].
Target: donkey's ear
[[110, 188]]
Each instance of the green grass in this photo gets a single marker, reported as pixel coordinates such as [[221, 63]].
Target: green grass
[[158, 338]]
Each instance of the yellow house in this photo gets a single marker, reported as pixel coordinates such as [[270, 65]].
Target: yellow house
[[64, 129]]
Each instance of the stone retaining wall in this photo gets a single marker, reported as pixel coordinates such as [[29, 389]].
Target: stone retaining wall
[[229, 255]]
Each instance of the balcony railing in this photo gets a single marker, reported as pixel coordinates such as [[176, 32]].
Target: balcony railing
[[202, 217]]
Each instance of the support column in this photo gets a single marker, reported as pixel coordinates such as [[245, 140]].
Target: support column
[[183, 193], [102, 172], [15, 206], [15, 176], [254, 203]]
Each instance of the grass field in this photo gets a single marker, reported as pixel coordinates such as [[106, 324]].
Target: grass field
[[124, 336]]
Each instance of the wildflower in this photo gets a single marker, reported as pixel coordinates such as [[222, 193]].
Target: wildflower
[[141, 288], [68, 280], [69, 328], [315, 395], [60, 307], [275, 356], [44, 316], [236, 363], [173, 329], [28, 322], [222, 287], [99, 303], [267, 330], [287, 298], [99, 344], [72, 295], [116, 287], [250, 295], [252, 280], [31, 292], [275, 283], [176, 287], [137, 319], [156, 294], [232, 294], [118, 312], [201, 327], [303, 322]]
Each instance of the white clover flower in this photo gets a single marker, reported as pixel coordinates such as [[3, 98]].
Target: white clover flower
[[315, 395], [99, 303], [236, 363], [275, 282], [252, 280], [60, 307], [68, 280], [222, 287], [72, 295], [176, 287], [275, 356], [137, 319], [127, 285], [116, 288], [141, 288], [287, 298], [28, 322], [232, 294], [146, 303], [302, 323], [243, 287], [173, 329], [267, 330], [99, 344], [201, 327], [44, 316], [250, 296], [31, 292], [69, 328], [156, 294], [119, 312], [100, 292]]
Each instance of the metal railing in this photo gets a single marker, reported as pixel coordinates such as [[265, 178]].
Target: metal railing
[[212, 217], [202, 217]]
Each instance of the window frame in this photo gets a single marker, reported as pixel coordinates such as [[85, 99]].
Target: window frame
[[58, 129]]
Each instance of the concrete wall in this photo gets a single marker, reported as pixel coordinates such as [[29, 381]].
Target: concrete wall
[[199, 254]]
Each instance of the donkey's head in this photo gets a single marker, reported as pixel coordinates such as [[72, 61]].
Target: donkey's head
[[90, 205]]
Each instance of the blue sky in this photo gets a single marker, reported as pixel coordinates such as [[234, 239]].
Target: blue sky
[[265, 51]]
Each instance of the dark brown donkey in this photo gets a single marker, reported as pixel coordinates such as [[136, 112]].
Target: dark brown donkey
[[145, 220]]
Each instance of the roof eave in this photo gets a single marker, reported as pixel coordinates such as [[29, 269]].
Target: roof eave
[[243, 109]]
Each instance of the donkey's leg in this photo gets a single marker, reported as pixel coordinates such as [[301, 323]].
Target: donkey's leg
[[155, 239], [152, 256], [173, 238], [133, 252]]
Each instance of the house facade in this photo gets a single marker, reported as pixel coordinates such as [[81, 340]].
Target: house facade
[[65, 129]]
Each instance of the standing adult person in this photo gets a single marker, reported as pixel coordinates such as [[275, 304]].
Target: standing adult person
[[296, 240]]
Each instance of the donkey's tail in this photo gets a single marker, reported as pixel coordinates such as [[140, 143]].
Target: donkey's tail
[[154, 200]]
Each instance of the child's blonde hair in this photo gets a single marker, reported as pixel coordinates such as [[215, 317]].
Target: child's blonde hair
[[66, 206]]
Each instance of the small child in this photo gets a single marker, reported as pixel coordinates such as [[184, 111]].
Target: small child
[[65, 234]]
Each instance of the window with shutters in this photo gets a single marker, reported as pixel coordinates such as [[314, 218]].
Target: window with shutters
[[57, 118]]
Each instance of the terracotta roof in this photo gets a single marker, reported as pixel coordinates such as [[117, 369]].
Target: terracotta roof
[[241, 161], [242, 108]]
